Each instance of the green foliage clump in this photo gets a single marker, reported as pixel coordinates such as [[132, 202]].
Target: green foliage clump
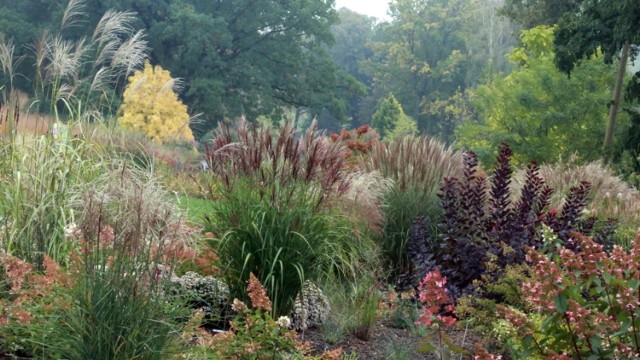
[[495, 287], [278, 233], [390, 120]]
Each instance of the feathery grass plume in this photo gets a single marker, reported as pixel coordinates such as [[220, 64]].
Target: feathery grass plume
[[63, 67], [418, 162], [130, 55], [8, 61], [173, 84], [60, 61], [73, 13], [100, 80], [417, 165], [113, 25], [610, 196], [364, 199], [40, 50], [252, 150], [81, 49]]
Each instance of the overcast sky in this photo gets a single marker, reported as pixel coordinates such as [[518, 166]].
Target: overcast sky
[[377, 8]]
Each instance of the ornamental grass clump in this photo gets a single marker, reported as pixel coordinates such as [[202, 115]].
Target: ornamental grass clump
[[278, 233], [276, 212], [125, 230], [416, 165], [37, 176]]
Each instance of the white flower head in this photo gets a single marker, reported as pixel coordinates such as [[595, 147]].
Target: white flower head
[[284, 322], [71, 230]]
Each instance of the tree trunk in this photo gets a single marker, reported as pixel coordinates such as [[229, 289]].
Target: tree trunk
[[615, 104], [299, 112]]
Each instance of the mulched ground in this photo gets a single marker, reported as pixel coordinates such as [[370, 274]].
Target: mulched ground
[[377, 347]]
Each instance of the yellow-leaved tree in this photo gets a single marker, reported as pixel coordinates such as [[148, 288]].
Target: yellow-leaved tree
[[152, 107]]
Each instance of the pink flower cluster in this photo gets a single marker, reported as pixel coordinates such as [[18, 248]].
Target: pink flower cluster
[[586, 295], [433, 295]]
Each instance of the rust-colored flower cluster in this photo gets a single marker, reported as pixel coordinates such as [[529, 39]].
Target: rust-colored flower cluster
[[28, 288], [359, 141], [483, 354], [258, 295]]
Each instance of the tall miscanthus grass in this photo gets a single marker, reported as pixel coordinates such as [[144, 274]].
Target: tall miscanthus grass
[[83, 78], [36, 175], [416, 165], [277, 215], [250, 150], [115, 306]]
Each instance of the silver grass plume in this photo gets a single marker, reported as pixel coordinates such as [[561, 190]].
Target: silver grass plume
[[73, 13], [60, 59], [130, 55], [113, 25]]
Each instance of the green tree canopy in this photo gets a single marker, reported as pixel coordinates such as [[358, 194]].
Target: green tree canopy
[[532, 13], [537, 109], [240, 57]]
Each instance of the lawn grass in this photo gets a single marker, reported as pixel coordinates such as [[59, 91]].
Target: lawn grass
[[196, 208]]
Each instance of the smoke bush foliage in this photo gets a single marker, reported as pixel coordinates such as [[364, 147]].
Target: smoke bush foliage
[[479, 218]]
